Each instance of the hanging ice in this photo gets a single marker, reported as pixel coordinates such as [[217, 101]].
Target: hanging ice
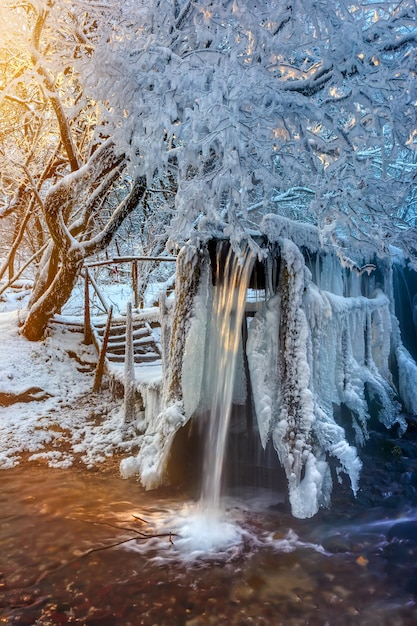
[[321, 349]]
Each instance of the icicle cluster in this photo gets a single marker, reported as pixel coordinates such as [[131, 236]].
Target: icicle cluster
[[310, 351]]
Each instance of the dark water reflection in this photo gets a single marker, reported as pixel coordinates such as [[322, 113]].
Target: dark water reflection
[[54, 525]]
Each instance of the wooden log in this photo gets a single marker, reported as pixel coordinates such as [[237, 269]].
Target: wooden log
[[129, 259], [98, 377], [135, 284]]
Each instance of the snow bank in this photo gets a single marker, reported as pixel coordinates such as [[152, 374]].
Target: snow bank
[[70, 422]]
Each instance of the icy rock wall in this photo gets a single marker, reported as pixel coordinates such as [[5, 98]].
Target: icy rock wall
[[321, 350], [160, 427], [312, 347]]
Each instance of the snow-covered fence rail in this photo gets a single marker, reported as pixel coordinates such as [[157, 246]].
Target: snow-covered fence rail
[[89, 280], [129, 259], [133, 260]]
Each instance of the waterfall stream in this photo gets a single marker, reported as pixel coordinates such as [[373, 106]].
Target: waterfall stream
[[229, 299]]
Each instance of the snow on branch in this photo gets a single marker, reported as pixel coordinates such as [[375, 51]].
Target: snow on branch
[[266, 109]]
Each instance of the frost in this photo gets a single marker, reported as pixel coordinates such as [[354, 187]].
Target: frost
[[129, 467], [319, 353], [277, 227], [313, 133], [54, 459], [263, 357], [195, 349], [156, 445]]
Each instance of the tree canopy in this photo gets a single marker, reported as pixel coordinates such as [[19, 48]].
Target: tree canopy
[[302, 108], [64, 186]]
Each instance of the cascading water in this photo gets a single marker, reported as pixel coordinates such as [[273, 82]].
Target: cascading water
[[229, 299], [405, 297]]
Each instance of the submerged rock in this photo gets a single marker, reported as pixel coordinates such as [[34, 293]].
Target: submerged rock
[[404, 531]]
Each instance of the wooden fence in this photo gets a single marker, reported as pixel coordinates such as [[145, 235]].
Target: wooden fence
[[89, 280]]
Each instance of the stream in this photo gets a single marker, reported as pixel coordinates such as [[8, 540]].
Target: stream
[[80, 547]]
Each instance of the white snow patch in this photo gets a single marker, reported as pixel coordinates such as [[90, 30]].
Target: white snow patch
[[70, 419]]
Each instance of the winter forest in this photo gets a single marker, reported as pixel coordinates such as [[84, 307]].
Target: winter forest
[[286, 129]]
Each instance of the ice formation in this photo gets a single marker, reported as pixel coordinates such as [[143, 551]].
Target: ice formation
[[320, 346], [322, 350]]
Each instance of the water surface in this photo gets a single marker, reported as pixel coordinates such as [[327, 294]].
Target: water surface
[[86, 548]]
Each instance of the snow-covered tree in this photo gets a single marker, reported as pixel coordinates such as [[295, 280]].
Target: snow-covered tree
[[60, 175], [305, 108], [223, 110]]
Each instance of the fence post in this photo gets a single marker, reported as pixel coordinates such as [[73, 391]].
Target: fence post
[[135, 284], [130, 387], [88, 336], [98, 377]]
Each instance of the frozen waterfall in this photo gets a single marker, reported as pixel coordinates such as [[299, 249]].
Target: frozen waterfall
[[316, 357]]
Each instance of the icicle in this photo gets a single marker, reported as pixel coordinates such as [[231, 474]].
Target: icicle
[[161, 428], [262, 349], [192, 375], [306, 473], [407, 374], [309, 351]]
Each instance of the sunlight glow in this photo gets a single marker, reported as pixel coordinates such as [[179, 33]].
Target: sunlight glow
[[412, 139], [206, 13], [281, 133], [13, 28]]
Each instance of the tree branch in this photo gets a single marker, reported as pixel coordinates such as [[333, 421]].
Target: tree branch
[[64, 128], [128, 204]]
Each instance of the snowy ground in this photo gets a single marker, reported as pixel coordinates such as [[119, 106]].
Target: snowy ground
[[65, 423]]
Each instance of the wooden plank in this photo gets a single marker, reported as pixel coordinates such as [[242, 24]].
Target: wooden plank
[[129, 259], [129, 373], [88, 338]]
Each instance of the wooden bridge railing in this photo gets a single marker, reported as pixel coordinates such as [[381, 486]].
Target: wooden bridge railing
[[89, 280], [101, 345]]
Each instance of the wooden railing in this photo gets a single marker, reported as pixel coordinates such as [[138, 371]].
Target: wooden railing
[[89, 280], [92, 337]]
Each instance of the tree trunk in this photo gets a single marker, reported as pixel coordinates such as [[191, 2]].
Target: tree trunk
[[19, 231], [47, 270], [55, 282], [53, 299], [187, 281]]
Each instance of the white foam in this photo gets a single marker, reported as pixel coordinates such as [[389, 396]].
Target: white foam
[[207, 532], [193, 533]]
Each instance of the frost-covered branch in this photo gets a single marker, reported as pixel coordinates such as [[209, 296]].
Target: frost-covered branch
[[292, 100], [63, 122], [129, 204]]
